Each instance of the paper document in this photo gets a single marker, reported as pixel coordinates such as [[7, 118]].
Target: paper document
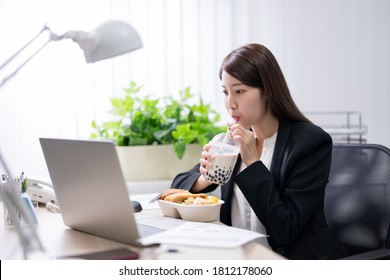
[[204, 235]]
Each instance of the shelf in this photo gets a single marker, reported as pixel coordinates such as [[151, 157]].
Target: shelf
[[343, 126]]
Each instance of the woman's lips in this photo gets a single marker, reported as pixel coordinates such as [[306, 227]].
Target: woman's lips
[[236, 119]]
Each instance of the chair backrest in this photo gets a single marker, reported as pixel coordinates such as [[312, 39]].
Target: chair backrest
[[357, 197]]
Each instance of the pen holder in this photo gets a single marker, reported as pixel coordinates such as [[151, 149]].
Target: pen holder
[[8, 221]]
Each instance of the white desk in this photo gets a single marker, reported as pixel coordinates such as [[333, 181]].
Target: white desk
[[60, 240]]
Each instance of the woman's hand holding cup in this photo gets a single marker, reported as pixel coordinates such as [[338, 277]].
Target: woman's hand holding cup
[[218, 160], [205, 160]]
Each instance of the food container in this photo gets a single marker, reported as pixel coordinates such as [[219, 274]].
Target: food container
[[192, 212]]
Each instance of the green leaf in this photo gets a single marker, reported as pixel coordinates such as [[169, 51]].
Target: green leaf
[[180, 149], [140, 119], [184, 133], [24, 185]]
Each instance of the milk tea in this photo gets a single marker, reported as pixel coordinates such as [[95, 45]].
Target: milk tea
[[222, 168], [225, 159]]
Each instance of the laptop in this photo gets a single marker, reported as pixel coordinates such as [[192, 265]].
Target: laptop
[[91, 190]]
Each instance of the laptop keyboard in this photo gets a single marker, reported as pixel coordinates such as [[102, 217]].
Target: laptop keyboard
[[145, 230]]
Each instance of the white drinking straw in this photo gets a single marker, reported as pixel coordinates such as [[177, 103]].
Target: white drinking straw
[[226, 138]]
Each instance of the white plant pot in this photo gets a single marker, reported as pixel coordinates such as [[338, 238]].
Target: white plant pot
[[156, 162]]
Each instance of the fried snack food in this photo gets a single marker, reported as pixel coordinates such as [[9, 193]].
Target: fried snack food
[[199, 200], [186, 197], [189, 200], [180, 197], [171, 191], [204, 201]]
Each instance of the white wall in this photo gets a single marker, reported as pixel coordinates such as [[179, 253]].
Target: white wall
[[333, 53]]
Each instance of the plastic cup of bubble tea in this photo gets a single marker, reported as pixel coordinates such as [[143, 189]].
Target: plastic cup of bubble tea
[[225, 153]]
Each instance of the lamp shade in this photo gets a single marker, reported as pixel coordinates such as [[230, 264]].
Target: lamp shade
[[110, 39]]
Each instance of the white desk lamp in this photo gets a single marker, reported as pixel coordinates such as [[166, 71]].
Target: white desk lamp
[[108, 40]]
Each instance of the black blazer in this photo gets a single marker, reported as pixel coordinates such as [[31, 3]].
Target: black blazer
[[288, 199]]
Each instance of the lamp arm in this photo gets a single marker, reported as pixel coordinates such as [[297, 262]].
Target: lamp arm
[[80, 37], [51, 38], [31, 243], [28, 236], [110, 39], [25, 46]]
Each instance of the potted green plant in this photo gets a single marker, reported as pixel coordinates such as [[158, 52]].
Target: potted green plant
[[165, 134]]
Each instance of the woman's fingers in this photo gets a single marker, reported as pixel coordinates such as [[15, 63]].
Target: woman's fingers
[[240, 133], [205, 160], [202, 170], [205, 163]]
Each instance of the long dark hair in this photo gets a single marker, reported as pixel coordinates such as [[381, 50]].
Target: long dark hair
[[254, 65]]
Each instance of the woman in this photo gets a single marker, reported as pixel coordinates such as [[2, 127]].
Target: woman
[[279, 180]]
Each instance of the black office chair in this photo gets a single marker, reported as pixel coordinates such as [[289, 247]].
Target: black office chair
[[357, 199]]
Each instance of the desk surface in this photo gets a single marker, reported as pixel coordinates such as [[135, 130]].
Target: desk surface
[[60, 240]]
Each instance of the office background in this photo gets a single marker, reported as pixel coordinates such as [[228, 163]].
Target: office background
[[334, 54]]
